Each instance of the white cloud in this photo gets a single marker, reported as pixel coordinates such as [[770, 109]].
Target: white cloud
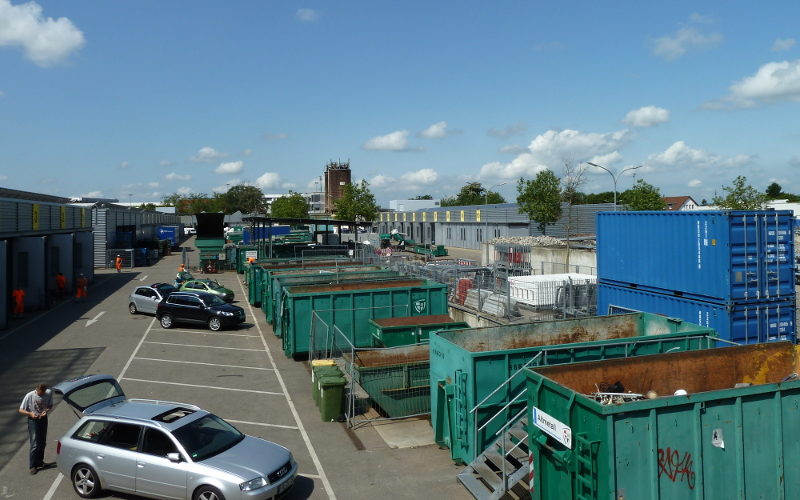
[[230, 167], [288, 185], [436, 131], [699, 18], [552, 148], [679, 154], [646, 116], [423, 176], [165, 163], [3, 177], [394, 141], [93, 194], [124, 164], [513, 129], [513, 149], [208, 154], [671, 47], [184, 190], [694, 183], [381, 181], [269, 180], [774, 81], [274, 137], [174, 176], [153, 184], [307, 15], [783, 44], [44, 40], [606, 160], [247, 152]]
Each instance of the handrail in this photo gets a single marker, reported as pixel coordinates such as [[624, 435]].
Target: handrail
[[507, 381], [503, 408]]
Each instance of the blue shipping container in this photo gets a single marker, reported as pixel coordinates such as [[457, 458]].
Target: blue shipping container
[[742, 322], [169, 233], [263, 233], [715, 255]]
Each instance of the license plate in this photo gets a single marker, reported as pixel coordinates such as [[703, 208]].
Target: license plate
[[285, 486]]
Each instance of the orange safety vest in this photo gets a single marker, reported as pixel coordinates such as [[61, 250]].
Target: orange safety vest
[[81, 287], [19, 300], [118, 263], [61, 282]]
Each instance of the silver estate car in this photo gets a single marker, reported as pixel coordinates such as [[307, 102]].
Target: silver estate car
[[161, 449], [145, 299]]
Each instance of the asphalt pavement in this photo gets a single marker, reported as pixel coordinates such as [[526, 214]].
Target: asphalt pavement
[[241, 375]]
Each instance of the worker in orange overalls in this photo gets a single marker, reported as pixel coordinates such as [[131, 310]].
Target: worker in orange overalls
[[118, 263], [80, 288], [61, 285], [182, 268], [19, 302]]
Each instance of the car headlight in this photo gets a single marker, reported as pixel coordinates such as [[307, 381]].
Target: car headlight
[[254, 484], [225, 313]]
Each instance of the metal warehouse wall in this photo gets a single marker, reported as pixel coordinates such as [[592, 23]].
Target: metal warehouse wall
[[470, 226], [28, 217]]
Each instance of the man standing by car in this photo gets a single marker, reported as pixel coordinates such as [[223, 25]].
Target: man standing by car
[[36, 405]]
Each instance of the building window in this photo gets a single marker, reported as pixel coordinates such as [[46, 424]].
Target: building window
[[463, 234], [480, 235], [449, 233]]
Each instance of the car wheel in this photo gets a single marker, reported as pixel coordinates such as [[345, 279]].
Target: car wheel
[[85, 482], [166, 321], [207, 493], [132, 308], [214, 324]]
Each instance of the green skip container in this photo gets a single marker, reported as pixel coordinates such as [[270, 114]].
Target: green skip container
[[349, 306], [732, 432], [468, 365], [409, 330]]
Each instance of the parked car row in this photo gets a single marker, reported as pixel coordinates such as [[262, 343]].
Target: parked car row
[[196, 302]]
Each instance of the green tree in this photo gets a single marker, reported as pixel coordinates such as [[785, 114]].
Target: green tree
[[423, 197], [740, 196], [247, 199], [774, 190], [540, 198], [148, 206], [172, 200], [292, 206], [604, 197], [357, 203], [642, 196], [472, 193]]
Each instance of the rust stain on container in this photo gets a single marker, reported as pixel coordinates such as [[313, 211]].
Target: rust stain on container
[[321, 263], [360, 285], [435, 319], [390, 357]]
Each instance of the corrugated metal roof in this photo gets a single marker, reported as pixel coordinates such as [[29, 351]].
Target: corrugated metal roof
[[29, 196]]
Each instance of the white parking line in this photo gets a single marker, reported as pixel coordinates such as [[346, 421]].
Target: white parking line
[[206, 364], [317, 464], [226, 334], [57, 480], [310, 476], [205, 346], [201, 386], [294, 427]]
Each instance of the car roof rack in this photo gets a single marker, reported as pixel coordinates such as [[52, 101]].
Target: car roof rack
[[161, 402]]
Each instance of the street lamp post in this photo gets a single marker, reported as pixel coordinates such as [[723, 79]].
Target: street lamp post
[[614, 177]]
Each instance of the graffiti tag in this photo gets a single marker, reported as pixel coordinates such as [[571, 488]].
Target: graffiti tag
[[676, 468]]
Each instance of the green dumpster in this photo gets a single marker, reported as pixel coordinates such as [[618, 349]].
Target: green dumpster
[[393, 332], [347, 307], [467, 366], [731, 432], [331, 397], [397, 380]]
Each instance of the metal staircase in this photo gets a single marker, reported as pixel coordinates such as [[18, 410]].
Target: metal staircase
[[501, 471]]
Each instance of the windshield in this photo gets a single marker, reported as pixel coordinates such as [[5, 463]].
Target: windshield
[[214, 285], [207, 436], [212, 300]]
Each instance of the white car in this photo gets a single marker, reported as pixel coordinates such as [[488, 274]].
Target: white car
[[145, 298], [162, 449]]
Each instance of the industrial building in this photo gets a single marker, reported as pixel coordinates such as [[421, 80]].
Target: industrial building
[[337, 176], [41, 235], [471, 226]]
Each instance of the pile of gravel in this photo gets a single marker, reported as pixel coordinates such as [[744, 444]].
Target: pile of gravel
[[531, 241]]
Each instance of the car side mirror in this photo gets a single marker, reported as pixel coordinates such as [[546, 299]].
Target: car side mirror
[[174, 457]]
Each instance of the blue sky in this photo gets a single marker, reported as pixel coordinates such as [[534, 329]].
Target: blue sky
[[143, 99]]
